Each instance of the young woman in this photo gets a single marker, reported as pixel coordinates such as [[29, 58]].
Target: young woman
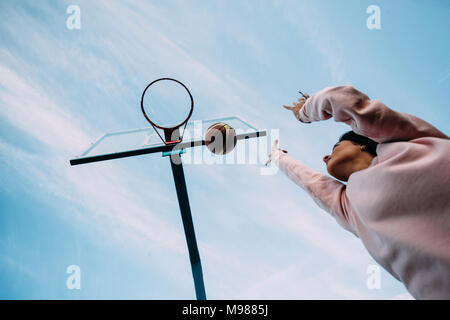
[[397, 196]]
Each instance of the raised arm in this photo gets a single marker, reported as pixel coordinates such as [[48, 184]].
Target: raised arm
[[370, 118], [328, 193]]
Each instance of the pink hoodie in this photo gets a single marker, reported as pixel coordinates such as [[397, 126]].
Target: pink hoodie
[[400, 206]]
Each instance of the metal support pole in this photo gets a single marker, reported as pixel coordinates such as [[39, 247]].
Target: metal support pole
[[183, 202]]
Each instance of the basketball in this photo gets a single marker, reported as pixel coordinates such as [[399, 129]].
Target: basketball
[[220, 138]]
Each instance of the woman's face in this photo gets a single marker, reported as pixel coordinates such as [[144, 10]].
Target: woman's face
[[346, 158]]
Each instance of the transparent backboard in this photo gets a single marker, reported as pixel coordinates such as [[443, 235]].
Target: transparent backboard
[[135, 142]]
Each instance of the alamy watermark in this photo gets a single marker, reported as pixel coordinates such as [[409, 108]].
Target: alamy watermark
[[249, 150], [374, 20], [74, 280], [373, 282], [74, 20]]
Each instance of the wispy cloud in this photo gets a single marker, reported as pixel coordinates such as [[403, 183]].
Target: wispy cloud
[[34, 113], [444, 78], [304, 17]]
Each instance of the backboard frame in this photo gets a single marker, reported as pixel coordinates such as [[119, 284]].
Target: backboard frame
[[85, 158]]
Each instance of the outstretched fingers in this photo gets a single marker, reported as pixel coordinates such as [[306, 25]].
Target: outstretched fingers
[[274, 148], [275, 145], [274, 151]]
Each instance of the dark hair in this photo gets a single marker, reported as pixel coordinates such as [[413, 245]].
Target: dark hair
[[354, 137]]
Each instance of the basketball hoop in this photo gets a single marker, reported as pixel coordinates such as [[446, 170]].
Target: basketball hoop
[[171, 133]]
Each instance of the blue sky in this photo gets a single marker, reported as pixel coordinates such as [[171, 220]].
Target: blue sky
[[260, 236]]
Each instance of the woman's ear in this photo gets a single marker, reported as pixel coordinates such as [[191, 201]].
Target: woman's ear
[[363, 147]]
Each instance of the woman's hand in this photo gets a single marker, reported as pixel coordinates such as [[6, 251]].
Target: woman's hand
[[297, 106], [274, 153]]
